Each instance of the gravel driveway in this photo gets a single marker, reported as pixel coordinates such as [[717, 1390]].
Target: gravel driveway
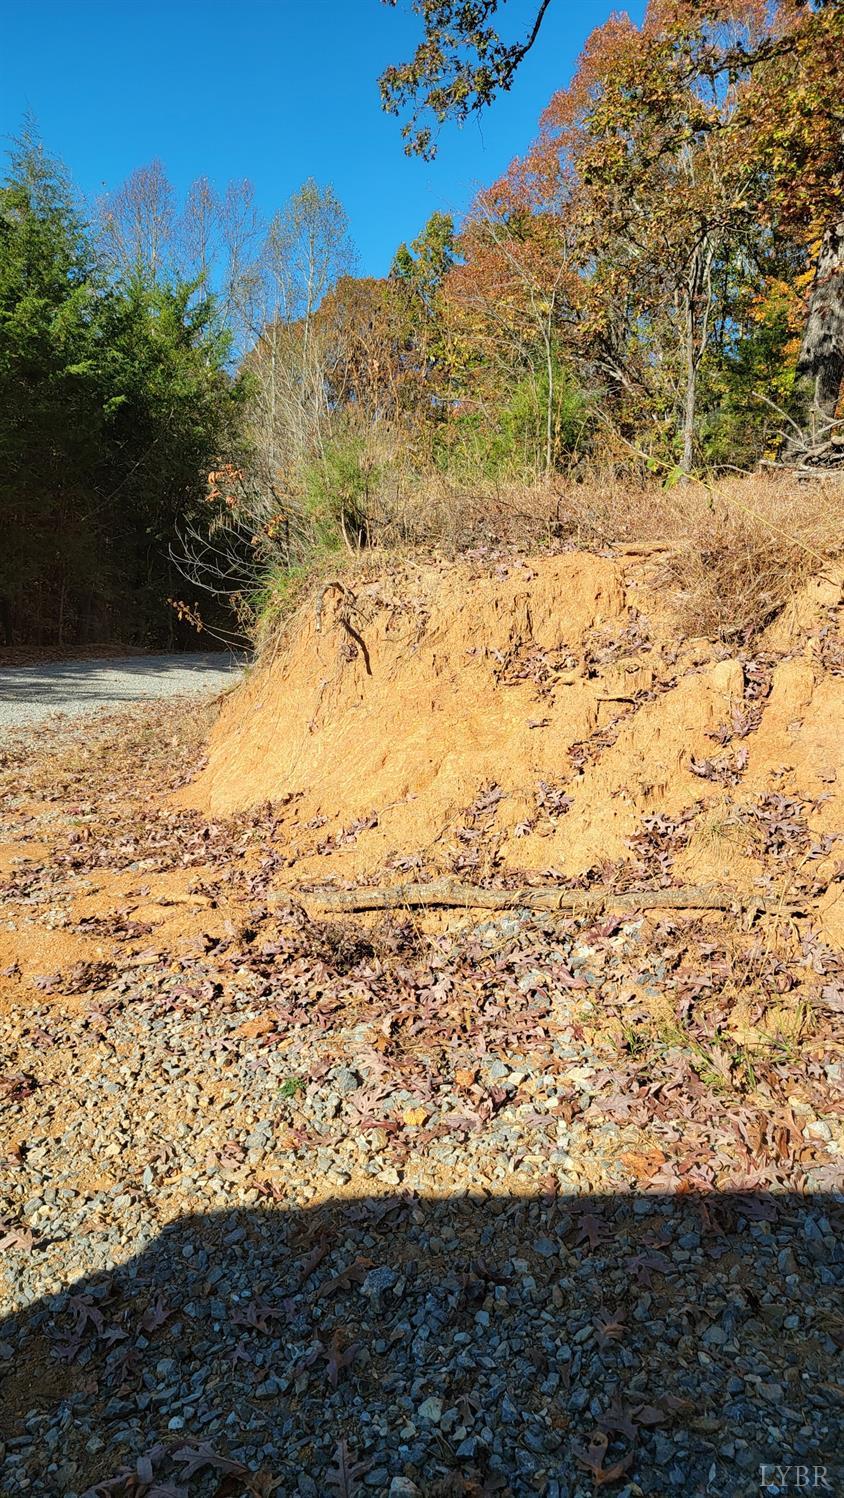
[[28, 694]]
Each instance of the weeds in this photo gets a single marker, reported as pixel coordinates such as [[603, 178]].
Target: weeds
[[728, 559], [291, 1087]]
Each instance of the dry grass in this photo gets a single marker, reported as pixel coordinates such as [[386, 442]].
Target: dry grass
[[740, 556], [729, 555], [735, 552]]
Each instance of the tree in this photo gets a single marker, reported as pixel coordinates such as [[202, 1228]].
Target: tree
[[417, 277], [139, 222], [306, 251], [423, 267], [362, 326], [50, 412], [114, 401], [645, 140], [727, 113], [505, 306], [288, 362], [458, 68], [170, 409], [793, 119]]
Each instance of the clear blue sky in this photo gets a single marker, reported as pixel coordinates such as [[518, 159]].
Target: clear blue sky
[[272, 90]]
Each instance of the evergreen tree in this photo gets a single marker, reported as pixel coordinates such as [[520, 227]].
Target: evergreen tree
[[114, 404], [50, 411]]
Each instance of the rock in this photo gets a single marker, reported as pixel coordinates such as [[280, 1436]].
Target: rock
[[497, 1071], [431, 1410], [379, 1280], [545, 1247], [345, 1080]]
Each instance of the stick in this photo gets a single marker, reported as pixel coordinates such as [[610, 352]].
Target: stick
[[450, 892]]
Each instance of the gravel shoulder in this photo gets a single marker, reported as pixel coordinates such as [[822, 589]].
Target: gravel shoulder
[[300, 1207], [29, 694]]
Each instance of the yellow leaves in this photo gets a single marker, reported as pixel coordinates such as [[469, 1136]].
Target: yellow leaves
[[413, 1117]]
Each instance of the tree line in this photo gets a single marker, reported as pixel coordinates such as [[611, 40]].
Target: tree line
[[115, 390], [196, 397], [676, 232], [655, 287]]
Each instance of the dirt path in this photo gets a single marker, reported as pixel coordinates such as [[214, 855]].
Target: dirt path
[[29, 694]]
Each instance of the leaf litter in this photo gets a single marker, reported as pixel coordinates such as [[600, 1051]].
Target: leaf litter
[[555, 1070]]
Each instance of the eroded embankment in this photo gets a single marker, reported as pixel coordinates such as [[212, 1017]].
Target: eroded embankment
[[539, 715], [457, 1201]]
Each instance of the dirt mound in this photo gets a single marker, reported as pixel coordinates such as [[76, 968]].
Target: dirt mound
[[534, 715]]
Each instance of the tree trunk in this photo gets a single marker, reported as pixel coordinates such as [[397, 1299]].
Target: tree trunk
[[822, 352], [690, 404], [452, 893], [549, 408], [698, 308]]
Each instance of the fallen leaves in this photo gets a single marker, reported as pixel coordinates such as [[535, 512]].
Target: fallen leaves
[[590, 1229], [201, 1458], [256, 1315], [343, 1476], [593, 1457], [609, 1330], [336, 1357], [643, 1164], [15, 1086], [414, 1117], [12, 1235], [83, 977]]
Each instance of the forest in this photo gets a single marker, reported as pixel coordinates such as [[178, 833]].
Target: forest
[[198, 403]]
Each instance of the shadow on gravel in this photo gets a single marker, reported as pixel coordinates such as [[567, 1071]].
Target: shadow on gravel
[[649, 1344], [67, 683]]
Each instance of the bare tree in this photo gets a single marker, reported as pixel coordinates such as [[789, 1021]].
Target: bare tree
[[306, 251], [199, 229], [139, 221]]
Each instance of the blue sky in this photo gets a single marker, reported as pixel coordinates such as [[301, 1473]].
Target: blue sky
[[272, 90]]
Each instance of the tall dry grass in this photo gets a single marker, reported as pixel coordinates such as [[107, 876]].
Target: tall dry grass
[[735, 552], [729, 555], [732, 553]]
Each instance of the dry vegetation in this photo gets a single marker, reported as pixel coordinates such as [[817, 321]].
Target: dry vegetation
[[730, 555]]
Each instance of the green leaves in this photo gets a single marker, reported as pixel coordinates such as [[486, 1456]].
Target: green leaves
[[114, 399], [459, 66]]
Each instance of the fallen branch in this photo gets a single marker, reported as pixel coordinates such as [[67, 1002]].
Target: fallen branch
[[641, 548], [574, 901], [348, 603]]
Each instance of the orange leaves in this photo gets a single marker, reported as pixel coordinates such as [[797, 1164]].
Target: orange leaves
[[464, 1076], [643, 1164], [221, 480]]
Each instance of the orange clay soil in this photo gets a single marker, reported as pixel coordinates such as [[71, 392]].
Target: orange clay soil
[[408, 698]]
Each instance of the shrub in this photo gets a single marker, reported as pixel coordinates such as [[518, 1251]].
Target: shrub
[[337, 490]]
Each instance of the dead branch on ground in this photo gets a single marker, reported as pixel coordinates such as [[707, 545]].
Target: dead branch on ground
[[449, 892]]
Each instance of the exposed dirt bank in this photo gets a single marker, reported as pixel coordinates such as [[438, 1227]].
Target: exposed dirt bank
[[535, 717]]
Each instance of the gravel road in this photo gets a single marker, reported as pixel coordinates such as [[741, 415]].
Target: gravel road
[[29, 694]]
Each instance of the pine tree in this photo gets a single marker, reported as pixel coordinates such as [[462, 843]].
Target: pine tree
[[51, 422]]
